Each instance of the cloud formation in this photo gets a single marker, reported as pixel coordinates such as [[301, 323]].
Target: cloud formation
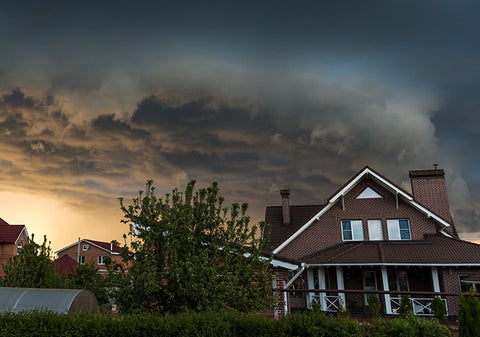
[[257, 97]]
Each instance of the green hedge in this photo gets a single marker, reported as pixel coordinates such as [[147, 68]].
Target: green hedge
[[228, 323]]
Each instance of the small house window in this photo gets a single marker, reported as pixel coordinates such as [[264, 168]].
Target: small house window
[[101, 259], [81, 259], [85, 248], [375, 231], [352, 230], [398, 230], [19, 247]]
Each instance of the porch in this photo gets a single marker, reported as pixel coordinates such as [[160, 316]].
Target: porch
[[348, 288]]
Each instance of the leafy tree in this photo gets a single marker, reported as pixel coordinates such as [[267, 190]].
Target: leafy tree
[[33, 267], [86, 277], [189, 252], [468, 315]]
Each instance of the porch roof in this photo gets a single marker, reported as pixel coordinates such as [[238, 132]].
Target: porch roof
[[435, 249]]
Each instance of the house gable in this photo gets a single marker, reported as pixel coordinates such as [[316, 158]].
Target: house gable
[[324, 228]]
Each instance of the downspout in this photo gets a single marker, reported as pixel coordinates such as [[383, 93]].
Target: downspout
[[289, 283], [78, 251]]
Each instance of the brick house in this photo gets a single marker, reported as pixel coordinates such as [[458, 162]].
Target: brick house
[[12, 239], [87, 251], [372, 238]]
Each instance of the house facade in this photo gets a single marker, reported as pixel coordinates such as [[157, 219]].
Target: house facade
[[87, 251], [12, 239], [372, 238]]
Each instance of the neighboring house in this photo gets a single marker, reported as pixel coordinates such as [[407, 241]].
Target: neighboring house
[[87, 251], [372, 235], [12, 239]]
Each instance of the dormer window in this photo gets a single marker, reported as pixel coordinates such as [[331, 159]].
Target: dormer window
[[352, 230], [399, 229]]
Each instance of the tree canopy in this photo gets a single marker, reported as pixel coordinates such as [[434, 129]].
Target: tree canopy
[[187, 251], [33, 267]]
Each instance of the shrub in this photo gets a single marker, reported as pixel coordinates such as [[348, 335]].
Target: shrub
[[405, 307], [439, 310], [411, 326], [374, 305], [468, 316]]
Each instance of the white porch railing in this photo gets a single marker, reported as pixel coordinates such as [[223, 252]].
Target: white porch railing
[[330, 304], [420, 306]]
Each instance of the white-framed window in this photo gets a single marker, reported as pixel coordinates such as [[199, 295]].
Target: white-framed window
[[375, 231], [101, 259], [85, 248], [81, 259], [19, 247], [352, 230], [399, 230]]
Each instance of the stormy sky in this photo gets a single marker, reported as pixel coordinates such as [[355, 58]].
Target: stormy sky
[[96, 97]]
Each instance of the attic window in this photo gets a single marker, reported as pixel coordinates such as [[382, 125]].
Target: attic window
[[369, 193], [85, 248], [19, 247]]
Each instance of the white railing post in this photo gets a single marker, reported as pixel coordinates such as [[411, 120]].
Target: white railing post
[[388, 304], [310, 285], [341, 286], [322, 285]]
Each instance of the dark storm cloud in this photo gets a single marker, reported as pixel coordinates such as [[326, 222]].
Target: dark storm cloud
[[257, 95]]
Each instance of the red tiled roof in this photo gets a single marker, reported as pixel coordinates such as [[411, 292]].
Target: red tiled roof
[[434, 249], [10, 233], [3, 222], [298, 214], [65, 265]]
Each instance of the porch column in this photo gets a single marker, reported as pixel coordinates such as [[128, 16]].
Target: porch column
[[435, 279], [341, 286], [310, 285], [388, 304], [322, 285]]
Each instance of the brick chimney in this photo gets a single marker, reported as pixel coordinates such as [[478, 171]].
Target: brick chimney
[[286, 207], [430, 190]]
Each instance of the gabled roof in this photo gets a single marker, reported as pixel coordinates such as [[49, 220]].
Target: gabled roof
[[65, 265], [365, 172], [107, 246], [435, 249], [299, 215], [11, 233]]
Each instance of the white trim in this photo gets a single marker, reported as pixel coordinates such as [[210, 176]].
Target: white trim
[[386, 287], [90, 243], [346, 189], [20, 234], [396, 264], [435, 280], [289, 283], [283, 264]]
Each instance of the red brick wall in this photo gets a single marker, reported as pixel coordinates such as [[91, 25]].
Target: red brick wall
[[9, 250], [449, 278], [91, 255], [431, 191], [327, 231]]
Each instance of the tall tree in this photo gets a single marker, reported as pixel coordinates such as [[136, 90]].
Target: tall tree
[[86, 277], [189, 252], [33, 267]]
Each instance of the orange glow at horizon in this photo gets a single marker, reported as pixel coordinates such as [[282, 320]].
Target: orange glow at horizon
[[60, 223]]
